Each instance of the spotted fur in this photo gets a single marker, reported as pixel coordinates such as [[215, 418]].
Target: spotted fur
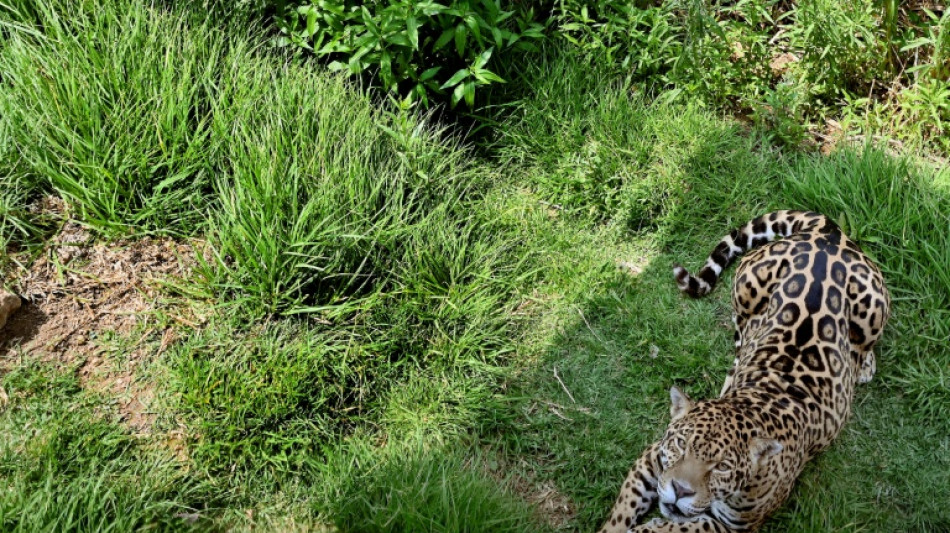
[[809, 307]]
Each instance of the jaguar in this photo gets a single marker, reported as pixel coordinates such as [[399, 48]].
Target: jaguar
[[809, 307]]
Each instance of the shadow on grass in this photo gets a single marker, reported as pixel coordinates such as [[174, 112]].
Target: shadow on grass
[[21, 328], [596, 394]]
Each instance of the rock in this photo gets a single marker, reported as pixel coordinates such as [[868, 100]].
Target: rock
[[9, 303]]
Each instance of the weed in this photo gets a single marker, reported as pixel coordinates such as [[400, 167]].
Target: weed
[[841, 51]]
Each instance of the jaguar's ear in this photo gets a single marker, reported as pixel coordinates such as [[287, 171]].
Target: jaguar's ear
[[680, 404], [762, 449]]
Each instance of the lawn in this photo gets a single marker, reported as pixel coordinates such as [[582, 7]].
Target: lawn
[[379, 321]]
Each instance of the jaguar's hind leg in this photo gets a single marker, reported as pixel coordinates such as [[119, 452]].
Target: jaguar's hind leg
[[868, 368]]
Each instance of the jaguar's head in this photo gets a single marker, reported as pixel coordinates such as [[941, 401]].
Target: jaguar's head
[[709, 455]]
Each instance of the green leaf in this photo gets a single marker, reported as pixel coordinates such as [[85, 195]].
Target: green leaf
[[370, 23], [311, 22], [489, 76], [386, 70], [458, 94], [457, 77], [497, 36], [483, 58], [399, 39], [444, 39], [429, 73], [429, 8], [472, 23], [412, 25], [461, 37], [420, 91], [469, 93]]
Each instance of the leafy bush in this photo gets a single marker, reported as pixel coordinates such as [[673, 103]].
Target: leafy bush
[[784, 65], [424, 48], [841, 45], [645, 42], [720, 56]]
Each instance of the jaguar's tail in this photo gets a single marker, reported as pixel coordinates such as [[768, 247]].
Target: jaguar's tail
[[756, 232]]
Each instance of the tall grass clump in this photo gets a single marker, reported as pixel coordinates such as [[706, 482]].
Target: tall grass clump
[[107, 102], [412, 487], [16, 224], [349, 252], [319, 189]]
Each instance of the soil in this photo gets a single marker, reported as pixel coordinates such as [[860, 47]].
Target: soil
[[78, 292], [551, 506]]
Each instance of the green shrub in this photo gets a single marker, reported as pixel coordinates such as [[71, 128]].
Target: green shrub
[[842, 49], [720, 55], [782, 114], [423, 48], [644, 42]]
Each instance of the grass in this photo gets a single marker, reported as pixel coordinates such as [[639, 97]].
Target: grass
[[16, 225], [119, 130], [402, 335], [68, 467], [422, 489]]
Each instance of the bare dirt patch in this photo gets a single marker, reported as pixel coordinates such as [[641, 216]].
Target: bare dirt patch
[[552, 506], [77, 291]]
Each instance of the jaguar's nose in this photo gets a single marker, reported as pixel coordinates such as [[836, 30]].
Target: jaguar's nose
[[682, 491]]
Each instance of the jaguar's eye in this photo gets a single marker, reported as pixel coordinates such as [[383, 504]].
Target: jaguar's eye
[[680, 444], [723, 467]]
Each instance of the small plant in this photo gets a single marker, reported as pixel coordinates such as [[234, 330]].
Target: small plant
[[781, 113], [421, 48], [935, 45], [643, 43], [927, 106], [841, 49]]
